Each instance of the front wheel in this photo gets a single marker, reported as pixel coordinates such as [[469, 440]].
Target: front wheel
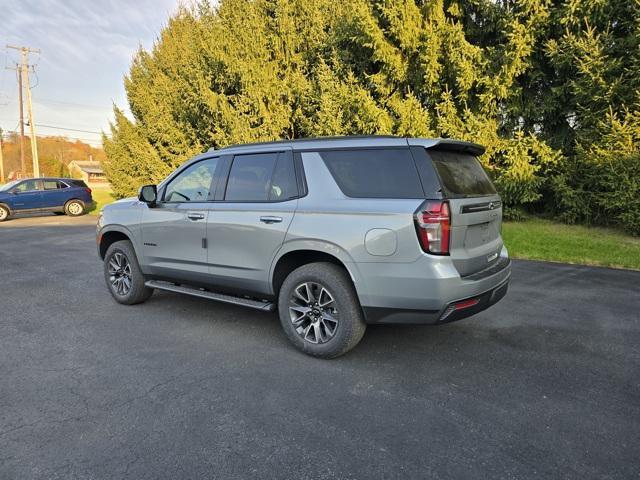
[[4, 213], [74, 208], [319, 310], [123, 275]]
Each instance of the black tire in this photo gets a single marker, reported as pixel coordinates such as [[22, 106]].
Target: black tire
[[137, 291], [74, 208], [4, 213], [337, 285]]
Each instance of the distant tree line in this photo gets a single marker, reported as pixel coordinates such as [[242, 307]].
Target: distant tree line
[[551, 88], [54, 154]]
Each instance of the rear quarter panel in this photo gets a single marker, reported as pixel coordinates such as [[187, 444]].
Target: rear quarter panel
[[329, 217], [358, 232]]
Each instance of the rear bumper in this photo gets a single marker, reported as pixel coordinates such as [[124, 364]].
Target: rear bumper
[[431, 296], [449, 313]]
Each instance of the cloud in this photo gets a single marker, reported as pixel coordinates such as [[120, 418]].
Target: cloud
[[86, 49]]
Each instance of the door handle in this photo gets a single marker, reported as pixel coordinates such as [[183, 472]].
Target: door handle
[[195, 216], [270, 219]]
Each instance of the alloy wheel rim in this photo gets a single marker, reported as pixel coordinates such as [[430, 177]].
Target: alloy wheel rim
[[313, 312], [3, 214], [74, 208], [119, 273]]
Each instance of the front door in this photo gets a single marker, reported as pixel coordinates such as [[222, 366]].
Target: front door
[[27, 195], [174, 230], [247, 226]]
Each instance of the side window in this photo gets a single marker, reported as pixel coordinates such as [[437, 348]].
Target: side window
[[250, 177], [375, 173], [51, 184], [283, 183], [27, 186], [193, 184]]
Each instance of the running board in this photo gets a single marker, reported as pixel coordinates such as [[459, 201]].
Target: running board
[[219, 297]]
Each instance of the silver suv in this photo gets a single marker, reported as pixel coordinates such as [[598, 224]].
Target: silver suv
[[334, 233]]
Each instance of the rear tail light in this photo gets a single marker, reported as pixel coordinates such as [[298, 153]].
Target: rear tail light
[[88, 190], [433, 225]]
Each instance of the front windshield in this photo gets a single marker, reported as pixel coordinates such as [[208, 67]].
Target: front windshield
[[8, 186]]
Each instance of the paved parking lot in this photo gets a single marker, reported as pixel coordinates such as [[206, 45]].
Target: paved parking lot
[[546, 384]]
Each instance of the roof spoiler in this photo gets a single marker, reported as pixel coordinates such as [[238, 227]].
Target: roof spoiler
[[449, 145]]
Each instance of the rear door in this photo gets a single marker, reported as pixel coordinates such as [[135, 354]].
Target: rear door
[[476, 210], [54, 193], [248, 222]]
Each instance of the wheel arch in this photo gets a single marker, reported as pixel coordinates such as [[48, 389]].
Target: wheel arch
[[295, 255], [109, 237], [74, 199]]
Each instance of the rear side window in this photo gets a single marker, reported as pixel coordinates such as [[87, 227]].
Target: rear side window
[[374, 173], [462, 174], [250, 177], [78, 183], [53, 185]]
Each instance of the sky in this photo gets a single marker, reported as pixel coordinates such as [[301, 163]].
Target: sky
[[86, 49]]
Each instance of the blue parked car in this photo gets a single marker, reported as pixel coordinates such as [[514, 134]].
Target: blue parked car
[[58, 195]]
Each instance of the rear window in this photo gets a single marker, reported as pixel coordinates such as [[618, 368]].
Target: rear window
[[374, 173], [462, 174]]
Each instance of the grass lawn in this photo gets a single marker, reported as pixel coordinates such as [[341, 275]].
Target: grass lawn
[[538, 239], [102, 197]]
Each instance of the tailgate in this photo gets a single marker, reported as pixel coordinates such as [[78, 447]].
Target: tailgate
[[476, 210], [475, 240]]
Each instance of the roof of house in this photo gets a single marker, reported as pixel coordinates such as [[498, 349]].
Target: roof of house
[[88, 166]]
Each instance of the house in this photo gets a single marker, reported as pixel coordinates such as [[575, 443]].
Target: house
[[89, 171]]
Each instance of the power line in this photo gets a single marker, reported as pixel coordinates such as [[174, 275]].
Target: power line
[[83, 139], [57, 127]]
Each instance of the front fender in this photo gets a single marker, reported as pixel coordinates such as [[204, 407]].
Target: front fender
[[102, 232]]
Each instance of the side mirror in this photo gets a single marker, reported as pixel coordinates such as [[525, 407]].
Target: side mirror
[[148, 194]]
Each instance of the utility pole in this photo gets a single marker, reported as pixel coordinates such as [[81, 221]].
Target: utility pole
[[1, 160], [18, 70], [32, 125], [23, 74]]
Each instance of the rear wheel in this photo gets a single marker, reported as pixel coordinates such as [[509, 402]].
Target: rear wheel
[[74, 208], [319, 310], [4, 213], [123, 275]]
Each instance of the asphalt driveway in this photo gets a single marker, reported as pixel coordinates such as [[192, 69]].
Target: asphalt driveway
[[546, 384]]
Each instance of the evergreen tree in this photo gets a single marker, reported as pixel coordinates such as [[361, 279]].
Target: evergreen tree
[[531, 80]]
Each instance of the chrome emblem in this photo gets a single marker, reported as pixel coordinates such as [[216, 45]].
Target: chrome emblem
[[491, 206]]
